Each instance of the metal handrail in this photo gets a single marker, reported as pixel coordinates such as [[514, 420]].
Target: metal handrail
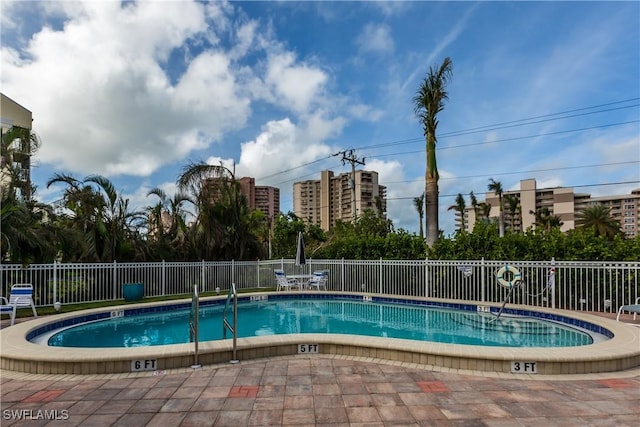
[[225, 323], [193, 324]]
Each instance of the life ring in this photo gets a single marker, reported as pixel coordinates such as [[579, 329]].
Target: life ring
[[506, 283]]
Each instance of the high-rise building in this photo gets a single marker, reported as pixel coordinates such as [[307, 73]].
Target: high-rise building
[[329, 199], [559, 201], [17, 160]]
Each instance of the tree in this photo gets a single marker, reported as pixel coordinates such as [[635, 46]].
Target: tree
[[225, 226], [459, 207], [17, 146], [101, 218], [496, 187], [598, 217], [418, 202], [428, 102], [545, 219], [167, 229], [513, 206], [474, 205]]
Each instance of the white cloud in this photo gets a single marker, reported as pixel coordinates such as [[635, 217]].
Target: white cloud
[[282, 146], [296, 85], [375, 38]]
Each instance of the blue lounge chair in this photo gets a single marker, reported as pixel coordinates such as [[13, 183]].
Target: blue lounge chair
[[21, 296], [631, 308]]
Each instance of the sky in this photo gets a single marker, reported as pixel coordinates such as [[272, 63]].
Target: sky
[[136, 91]]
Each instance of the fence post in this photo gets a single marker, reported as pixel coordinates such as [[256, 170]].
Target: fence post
[[552, 285], [483, 281], [427, 293], [202, 277], [115, 279], [233, 271], [164, 278], [381, 276], [342, 275], [55, 281]]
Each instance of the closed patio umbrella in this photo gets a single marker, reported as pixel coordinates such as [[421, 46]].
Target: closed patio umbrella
[[301, 258]]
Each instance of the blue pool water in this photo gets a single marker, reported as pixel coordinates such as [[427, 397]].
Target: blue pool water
[[283, 316]]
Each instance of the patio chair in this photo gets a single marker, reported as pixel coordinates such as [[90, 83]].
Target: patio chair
[[631, 308], [21, 296], [318, 280], [284, 282]]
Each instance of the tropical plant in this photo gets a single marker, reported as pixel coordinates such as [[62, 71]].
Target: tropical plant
[[598, 217], [513, 207], [496, 187], [100, 217], [418, 202], [428, 102], [545, 219], [17, 145], [225, 226], [459, 207], [474, 205]]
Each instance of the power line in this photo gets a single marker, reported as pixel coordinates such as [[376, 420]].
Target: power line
[[523, 172], [533, 189], [472, 130]]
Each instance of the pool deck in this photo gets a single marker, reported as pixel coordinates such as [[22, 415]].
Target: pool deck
[[316, 390]]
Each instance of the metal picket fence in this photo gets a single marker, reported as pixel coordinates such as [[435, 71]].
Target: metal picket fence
[[588, 286]]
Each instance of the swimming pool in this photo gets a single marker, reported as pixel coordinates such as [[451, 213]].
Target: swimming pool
[[620, 352], [322, 316]]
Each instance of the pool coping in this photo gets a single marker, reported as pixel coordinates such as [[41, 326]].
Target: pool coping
[[620, 353]]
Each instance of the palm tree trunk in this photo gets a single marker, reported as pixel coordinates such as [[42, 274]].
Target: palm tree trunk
[[431, 195], [431, 191]]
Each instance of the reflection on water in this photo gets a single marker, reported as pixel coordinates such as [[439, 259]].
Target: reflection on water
[[327, 316]]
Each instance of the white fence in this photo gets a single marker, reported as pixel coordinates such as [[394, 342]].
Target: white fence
[[589, 286]]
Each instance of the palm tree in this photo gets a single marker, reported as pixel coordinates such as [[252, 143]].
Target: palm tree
[[418, 202], [598, 217], [496, 187], [225, 227], [513, 204], [101, 216], [459, 207], [474, 205], [485, 210], [545, 219], [17, 146], [428, 102]]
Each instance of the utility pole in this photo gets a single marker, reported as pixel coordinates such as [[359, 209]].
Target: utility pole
[[350, 156]]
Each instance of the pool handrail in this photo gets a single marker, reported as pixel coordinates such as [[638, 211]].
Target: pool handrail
[[225, 323]]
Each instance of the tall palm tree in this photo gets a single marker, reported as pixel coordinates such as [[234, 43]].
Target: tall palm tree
[[474, 205], [418, 202], [513, 204], [485, 210], [496, 187], [545, 219], [225, 227], [598, 217], [428, 102], [459, 207]]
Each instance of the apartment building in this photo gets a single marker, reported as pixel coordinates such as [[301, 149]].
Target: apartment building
[[329, 199], [562, 202], [17, 161]]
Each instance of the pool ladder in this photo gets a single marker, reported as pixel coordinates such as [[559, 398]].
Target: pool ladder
[[231, 296], [193, 324]]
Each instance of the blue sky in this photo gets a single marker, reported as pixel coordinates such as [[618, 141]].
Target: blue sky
[[136, 91]]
